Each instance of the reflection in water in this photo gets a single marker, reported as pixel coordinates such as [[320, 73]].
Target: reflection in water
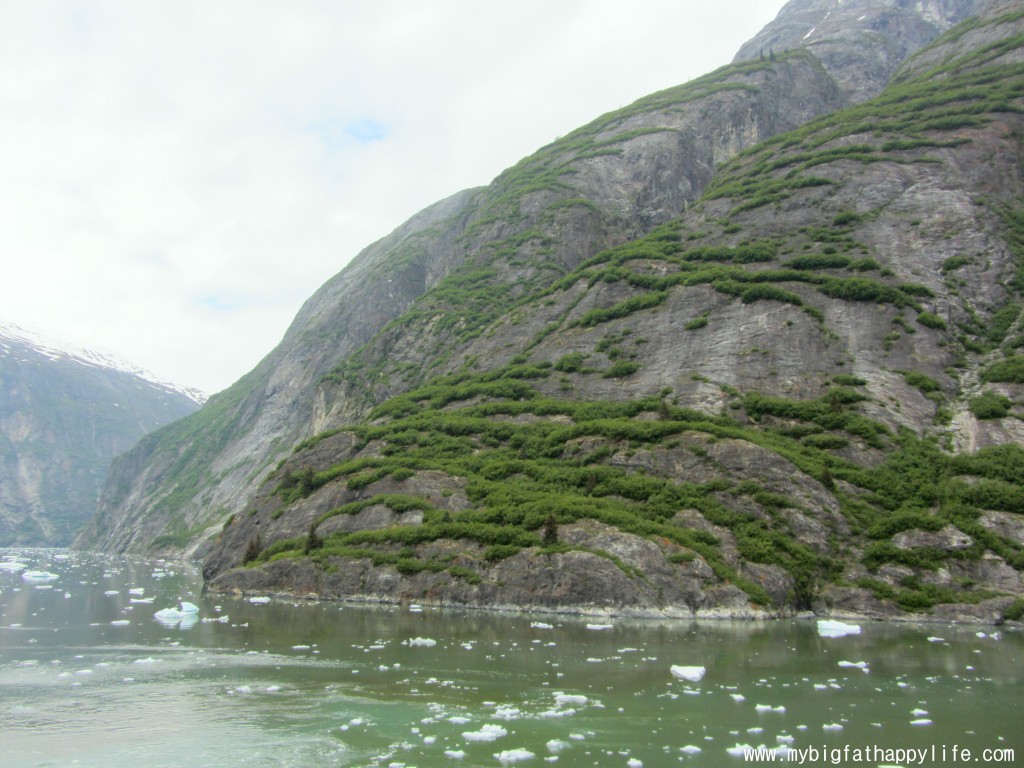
[[88, 674]]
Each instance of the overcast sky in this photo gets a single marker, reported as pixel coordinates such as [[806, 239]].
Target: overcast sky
[[177, 177]]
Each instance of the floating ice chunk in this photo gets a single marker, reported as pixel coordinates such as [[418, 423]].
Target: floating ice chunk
[[458, 719], [259, 600], [508, 713], [429, 739], [39, 576], [111, 593], [832, 727], [488, 733], [599, 626], [12, 566], [830, 628], [556, 745], [510, 756], [424, 641], [693, 674], [540, 625], [634, 763], [566, 698], [137, 591], [936, 639], [783, 738], [454, 754], [187, 607], [858, 664], [414, 608], [921, 721], [919, 712], [557, 713], [769, 708], [739, 750], [690, 749], [147, 660], [219, 619], [738, 696], [141, 600], [120, 623], [300, 647]]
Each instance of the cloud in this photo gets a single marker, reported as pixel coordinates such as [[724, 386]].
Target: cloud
[[179, 177]]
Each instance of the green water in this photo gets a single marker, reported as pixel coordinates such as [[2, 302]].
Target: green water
[[302, 684]]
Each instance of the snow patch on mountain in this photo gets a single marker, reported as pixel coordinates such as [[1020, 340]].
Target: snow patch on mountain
[[14, 338]]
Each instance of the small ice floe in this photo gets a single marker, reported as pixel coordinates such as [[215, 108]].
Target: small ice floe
[[120, 623], [414, 608], [218, 619], [634, 763], [183, 617], [599, 626], [510, 756], [918, 712], [454, 754], [783, 738], [12, 566], [147, 660], [739, 750], [458, 719], [921, 721], [554, 713], [568, 698], [769, 708], [301, 647], [426, 642], [137, 591], [111, 593], [141, 600], [830, 628], [936, 639], [738, 697], [556, 745], [832, 727], [39, 576], [690, 749], [507, 713], [259, 600], [856, 664], [488, 733], [540, 625], [693, 674]]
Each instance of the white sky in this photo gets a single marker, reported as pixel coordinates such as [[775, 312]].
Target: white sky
[[177, 177]]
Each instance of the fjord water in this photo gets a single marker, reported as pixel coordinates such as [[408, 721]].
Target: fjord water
[[88, 677]]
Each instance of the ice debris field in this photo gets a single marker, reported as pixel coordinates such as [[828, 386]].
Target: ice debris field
[[412, 685]]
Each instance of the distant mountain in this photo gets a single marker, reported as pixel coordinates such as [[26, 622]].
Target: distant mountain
[[750, 345], [65, 413]]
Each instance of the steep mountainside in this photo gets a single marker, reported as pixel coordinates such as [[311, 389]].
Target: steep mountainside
[[64, 415], [391, 319], [801, 390]]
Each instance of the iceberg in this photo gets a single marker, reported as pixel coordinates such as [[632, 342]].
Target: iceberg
[[426, 642], [487, 733], [566, 698], [510, 756], [599, 626], [693, 674], [39, 576], [830, 628], [184, 616]]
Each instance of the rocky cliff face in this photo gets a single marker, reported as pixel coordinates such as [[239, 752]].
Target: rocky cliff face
[[713, 353], [64, 415]]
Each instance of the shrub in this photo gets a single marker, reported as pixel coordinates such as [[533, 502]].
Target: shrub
[[1010, 370], [931, 320], [924, 383], [697, 322], [990, 405], [620, 369], [571, 363]]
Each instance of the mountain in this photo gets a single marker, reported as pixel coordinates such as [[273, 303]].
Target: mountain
[[751, 344], [65, 413]]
